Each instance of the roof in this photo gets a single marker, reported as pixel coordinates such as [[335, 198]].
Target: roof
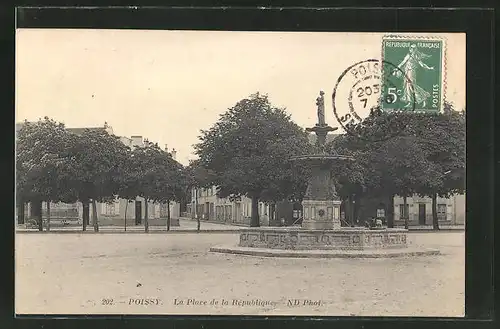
[[80, 131], [19, 125], [77, 131]]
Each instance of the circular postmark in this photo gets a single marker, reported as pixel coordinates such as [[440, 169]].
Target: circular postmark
[[361, 94]]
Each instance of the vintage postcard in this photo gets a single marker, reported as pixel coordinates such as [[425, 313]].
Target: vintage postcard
[[240, 173]]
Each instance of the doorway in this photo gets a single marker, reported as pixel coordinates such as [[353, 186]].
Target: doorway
[[138, 212], [237, 212], [421, 213]]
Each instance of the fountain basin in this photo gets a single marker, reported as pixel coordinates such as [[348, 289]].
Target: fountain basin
[[321, 158], [298, 242], [296, 238]]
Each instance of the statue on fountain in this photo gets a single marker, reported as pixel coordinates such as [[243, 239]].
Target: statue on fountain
[[320, 102]]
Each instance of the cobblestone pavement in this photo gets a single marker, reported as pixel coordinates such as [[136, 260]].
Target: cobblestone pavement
[[175, 274]]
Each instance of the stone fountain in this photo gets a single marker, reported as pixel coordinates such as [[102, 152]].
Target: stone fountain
[[321, 234]]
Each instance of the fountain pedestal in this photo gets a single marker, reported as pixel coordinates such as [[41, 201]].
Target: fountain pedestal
[[321, 215], [321, 205]]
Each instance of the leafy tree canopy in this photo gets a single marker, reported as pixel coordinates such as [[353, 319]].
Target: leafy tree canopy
[[248, 149]]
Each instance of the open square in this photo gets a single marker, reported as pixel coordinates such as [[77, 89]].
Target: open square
[[176, 274], [205, 176]]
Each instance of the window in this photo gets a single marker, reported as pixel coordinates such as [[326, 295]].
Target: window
[[441, 211], [380, 212], [403, 211], [217, 212], [110, 209], [163, 210]]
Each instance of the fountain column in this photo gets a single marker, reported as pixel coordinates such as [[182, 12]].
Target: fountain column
[[321, 205]]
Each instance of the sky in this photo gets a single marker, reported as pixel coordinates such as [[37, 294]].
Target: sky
[[168, 85]]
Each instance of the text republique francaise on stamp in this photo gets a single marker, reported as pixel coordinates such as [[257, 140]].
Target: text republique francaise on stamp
[[419, 73]]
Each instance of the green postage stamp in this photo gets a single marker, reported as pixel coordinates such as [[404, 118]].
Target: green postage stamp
[[416, 66]]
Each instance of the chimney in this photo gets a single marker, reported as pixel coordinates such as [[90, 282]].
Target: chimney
[[174, 153], [136, 140], [166, 147]]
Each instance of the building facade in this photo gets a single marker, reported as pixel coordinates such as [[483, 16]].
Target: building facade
[[450, 211], [207, 206]]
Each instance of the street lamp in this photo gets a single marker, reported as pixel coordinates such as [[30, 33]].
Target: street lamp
[[352, 210]]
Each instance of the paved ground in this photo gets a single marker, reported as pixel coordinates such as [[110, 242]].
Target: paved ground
[[186, 225], [79, 273]]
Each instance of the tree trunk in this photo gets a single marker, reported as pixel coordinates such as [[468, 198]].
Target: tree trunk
[[351, 210], [390, 212], [356, 209], [272, 214], [37, 207], [146, 219], [435, 220], [198, 222], [48, 216], [20, 212], [85, 214], [168, 215], [95, 220], [254, 220], [125, 217], [405, 213]]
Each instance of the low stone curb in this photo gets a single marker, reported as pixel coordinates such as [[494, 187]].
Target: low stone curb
[[125, 232], [408, 252]]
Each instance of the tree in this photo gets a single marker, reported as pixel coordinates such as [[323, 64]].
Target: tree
[[383, 166], [246, 151], [97, 162], [426, 156], [154, 175], [128, 189], [197, 177], [171, 185], [41, 166], [442, 137]]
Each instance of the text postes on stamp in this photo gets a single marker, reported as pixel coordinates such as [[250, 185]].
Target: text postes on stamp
[[419, 74]]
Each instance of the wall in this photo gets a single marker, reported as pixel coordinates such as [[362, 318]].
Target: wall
[[460, 209], [225, 210], [413, 210]]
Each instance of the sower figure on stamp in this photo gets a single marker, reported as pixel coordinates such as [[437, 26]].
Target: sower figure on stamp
[[409, 66]]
